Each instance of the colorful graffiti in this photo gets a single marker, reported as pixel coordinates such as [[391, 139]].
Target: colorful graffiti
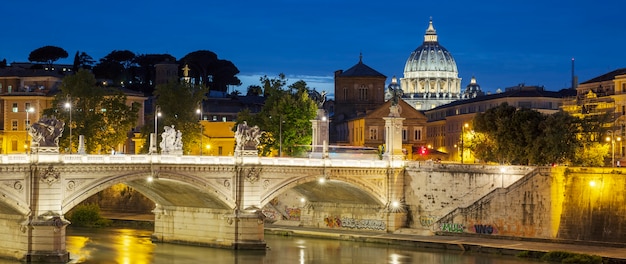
[[427, 220], [372, 224], [270, 214], [363, 223], [485, 229], [452, 227], [332, 222], [293, 213]]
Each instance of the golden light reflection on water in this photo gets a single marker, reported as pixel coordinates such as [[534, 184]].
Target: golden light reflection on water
[[76, 246], [121, 246], [132, 249]]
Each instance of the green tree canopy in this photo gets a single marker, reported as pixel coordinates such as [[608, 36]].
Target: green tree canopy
[[47, 55], [102, 116], [284, 118], [178, 102], [507, 135]]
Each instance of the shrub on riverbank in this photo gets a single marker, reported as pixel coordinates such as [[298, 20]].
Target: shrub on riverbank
[[562, 257], [87, 215]]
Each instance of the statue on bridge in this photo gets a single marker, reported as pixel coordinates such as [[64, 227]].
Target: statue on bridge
[[46, 132], [171, 141], [318, 98], [247, 138]]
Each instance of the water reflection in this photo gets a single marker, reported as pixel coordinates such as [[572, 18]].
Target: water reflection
[[125, 246]]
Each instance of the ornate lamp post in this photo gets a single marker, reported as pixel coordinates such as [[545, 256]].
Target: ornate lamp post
[[199, 112], [466, 125], [157, 114], [27, 125], [612, 138], [280, 137], [68, 105]]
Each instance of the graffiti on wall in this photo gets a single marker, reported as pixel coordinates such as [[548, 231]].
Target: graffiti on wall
[[485, 229], [332, 221], [372, 224], [293, 213], [427, 220], [452, 227], [269, 214]]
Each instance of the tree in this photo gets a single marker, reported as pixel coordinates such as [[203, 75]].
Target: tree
[[102, 116], [82, 60], [254, 90], [207, 69], [144, 73], [285, 117], [47, 55], [178, 102], [507, 135], [116, 66]]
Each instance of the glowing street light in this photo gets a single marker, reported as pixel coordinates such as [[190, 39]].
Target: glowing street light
[[199, 112], [612, 138], [27, 125], [68, 106], [466, 125], [157, 114]]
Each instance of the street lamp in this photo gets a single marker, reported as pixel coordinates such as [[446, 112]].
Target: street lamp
[[157, 114], [68, 105], [612, 138], [466, 125], [27, 125], [280, 135], [199, 112]]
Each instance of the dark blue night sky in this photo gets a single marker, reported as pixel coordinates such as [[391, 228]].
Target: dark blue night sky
[[501, 43]]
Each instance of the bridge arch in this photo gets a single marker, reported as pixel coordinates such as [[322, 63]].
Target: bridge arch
[[9, 203], [167, 188], [345, 189]]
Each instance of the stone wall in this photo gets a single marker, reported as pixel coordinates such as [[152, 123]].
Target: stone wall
[[434, 190], [208, 227], [551, 203], [594, 204], [13, 237]]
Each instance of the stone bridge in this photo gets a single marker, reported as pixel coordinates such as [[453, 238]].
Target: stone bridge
[[213, 201]]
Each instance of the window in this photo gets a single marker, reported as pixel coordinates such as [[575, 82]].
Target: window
[[13, 145], [9, 89], [14, 125], [26, 124], [405, 133], [219, 151], [214, 118], [417, 133], [363, 93], [373, 133], [26, 106], [15, 110], [345, 93]]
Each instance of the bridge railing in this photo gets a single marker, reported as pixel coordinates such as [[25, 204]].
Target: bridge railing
[[184, 159]]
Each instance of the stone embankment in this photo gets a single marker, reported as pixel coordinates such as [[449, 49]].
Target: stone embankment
[[610, 252]]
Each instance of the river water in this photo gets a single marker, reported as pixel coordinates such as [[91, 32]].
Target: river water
[[133, 246]]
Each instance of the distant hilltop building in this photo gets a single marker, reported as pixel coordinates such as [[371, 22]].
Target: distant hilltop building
[[431, 77]]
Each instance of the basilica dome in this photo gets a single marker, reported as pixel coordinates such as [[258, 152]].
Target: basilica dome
[[431, 77], [430, 56]]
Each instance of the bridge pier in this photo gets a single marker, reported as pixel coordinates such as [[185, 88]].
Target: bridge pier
[[46, 240], [209, 227]]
